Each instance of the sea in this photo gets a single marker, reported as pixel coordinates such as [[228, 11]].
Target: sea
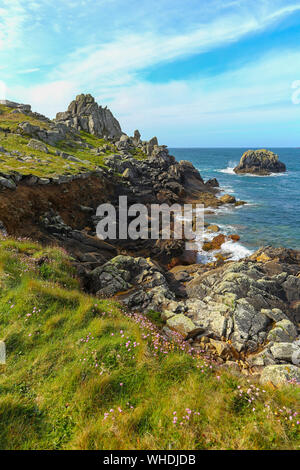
[[272, 213]]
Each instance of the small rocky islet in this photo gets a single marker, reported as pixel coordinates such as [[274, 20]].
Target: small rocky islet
[[53, 176], [260, 162]]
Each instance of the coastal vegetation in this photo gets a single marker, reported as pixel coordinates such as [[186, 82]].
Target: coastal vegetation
[[84, 373]]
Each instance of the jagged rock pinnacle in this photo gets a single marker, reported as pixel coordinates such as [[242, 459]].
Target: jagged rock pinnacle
[[85, 114]]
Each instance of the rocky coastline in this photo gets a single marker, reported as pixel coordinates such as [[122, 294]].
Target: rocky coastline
[[245, 313]]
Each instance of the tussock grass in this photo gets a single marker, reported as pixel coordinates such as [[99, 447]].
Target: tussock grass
[[85, 374]]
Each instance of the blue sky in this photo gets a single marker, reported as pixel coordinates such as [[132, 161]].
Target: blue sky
[[207, 73]]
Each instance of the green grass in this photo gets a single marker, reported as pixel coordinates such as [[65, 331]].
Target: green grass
[[68, 354], [41, 164], [11, 120]]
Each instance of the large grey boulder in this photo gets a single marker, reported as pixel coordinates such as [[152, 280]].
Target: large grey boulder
[[53, 135], [260, 162], [280, 375], [284, 331], [285, 351], [85, 114], [181, 324], [146, 285], [37, 145]]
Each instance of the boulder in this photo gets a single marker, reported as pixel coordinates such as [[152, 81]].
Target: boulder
[[7, 183], [181, 324], [234, 237], [285, 351], [260, 162], [280, 375], [241, 302], [37, 145], [284, 331], [218, 241], [19, 106], [146, 285], [212, 183], [227, 199]]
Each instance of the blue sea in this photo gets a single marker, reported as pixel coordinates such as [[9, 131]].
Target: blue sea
[[272, 215]]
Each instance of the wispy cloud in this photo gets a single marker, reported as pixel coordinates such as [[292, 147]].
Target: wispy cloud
[[118, 62], [98, 47]]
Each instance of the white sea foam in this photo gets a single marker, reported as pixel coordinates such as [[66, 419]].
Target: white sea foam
[[237, 250], [234, 250], [271, 175], [230, 168]]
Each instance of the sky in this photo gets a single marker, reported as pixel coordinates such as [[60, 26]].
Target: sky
[[195, 73]]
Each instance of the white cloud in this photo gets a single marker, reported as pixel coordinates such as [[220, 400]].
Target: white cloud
[[117, 62], [112, 70], [48, 98], [258, 94]]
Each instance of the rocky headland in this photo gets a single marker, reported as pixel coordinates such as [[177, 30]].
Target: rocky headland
[[260, 162], [53, 176]]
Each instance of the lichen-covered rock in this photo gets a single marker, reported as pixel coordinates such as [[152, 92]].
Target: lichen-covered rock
[[260, 162], [146, 285], [285, 351], [283, 331], [37, 145], [280, 375], [246, 304], [181, 324]]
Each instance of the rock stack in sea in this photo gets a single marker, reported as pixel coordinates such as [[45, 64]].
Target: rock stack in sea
[[260, 162]]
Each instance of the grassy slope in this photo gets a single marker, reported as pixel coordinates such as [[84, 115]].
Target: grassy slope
[[47, 164], [68, 354]]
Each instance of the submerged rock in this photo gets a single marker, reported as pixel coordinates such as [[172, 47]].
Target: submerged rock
[[260, 162]]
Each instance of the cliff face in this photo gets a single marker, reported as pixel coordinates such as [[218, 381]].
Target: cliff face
[[86, 115], [55, 169]]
